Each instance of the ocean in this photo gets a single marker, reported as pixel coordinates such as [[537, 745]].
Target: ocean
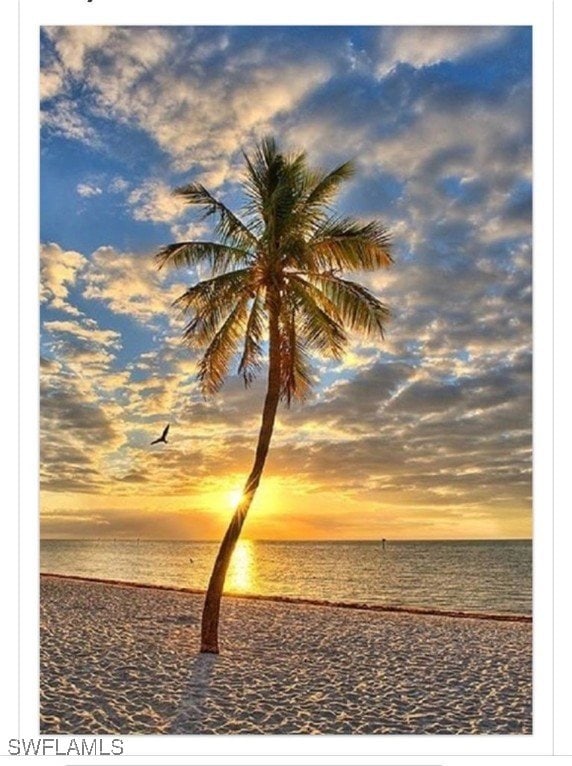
[[488, 576]]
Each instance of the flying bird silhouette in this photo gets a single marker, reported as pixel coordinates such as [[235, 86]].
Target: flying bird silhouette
[[163, 437]]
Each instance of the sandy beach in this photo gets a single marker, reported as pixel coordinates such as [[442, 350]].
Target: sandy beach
[[117, 659]]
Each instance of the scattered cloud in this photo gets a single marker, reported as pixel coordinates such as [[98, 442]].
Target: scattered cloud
[[155, 201], [73, 44], [118, 185], [88, 190], [128, 284], [87, 331], [132, 77], [52, 82], [426, 46], [63, 119], [58, 272]]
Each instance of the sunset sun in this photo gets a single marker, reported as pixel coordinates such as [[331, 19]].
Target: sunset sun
[[233, 497]]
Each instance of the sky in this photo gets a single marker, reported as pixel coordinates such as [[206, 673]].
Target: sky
[[426, 435]]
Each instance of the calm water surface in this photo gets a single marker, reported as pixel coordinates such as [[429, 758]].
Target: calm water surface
[[484, 576]]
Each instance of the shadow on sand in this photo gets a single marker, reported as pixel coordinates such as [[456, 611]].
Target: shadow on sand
[[191, 713]]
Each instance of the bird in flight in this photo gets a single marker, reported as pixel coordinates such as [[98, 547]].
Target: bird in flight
[[163, 437]]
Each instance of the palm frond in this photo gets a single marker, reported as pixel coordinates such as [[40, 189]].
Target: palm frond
[[210, 301], [327, 186], [220, 257], [357, 307], [342, 243], [274, 185], [319, 329], [295, 372], [251, 359], [229, 227], [215, 362]]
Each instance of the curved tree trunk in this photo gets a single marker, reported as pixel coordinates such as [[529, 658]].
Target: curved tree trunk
[[211, 608]]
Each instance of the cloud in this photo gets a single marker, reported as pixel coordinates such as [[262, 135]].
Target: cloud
[[74, 43], [118, 185], [425, 46], [129, 520], [52, 82], [129, 284], [186, 232], [76, 434], [434, 441], [88, 331], [154, 201], [200, 114], [79, 423], [58, 272], [463, 143], [63, 119], [88, 190]]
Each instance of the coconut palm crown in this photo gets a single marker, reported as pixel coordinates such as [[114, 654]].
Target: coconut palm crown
[[276, 284]]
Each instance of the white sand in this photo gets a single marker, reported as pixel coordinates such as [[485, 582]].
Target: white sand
[[123, 660]]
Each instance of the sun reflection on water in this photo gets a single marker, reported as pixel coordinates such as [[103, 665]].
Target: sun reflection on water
[[240, 574]]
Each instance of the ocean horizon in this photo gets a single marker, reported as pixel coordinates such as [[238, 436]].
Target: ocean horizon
[[485, 576]]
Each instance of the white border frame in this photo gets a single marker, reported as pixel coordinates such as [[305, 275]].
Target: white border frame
[[22, 719]]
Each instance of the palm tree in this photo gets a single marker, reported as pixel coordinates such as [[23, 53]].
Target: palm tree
[[275, 284]]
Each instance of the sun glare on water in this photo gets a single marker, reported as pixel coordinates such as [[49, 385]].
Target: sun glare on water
[[240, 573]]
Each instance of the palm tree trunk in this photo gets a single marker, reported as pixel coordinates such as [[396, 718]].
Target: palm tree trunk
[[211, 608]]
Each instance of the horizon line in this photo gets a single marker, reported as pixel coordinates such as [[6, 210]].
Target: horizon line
[[291, 540]]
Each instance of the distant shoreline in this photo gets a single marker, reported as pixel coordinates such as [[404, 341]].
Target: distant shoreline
[[425, 611]]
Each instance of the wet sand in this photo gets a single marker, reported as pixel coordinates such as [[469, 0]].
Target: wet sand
[[117, 659]]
